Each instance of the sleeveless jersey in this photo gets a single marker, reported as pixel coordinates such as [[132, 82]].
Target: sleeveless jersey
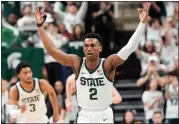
[[34, 101], [94, 89]]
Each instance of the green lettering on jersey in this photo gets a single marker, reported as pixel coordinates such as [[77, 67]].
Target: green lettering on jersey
[[31, 99], [92, 81]]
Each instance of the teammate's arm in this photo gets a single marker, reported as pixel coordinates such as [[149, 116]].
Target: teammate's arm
[[117, 59], [59, 55], [13, 104], [116, 97], [69, 82], [46, 87]]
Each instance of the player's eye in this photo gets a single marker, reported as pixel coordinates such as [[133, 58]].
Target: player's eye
[[92, 45]]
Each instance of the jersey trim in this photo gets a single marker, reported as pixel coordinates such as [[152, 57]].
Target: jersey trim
[[17, 93], [77, 115], [91, 72], [79, 69], [40, 86], [32, 88], [105, 73]]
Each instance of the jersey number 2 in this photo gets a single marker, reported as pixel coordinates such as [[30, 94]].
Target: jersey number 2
[[32, 109], [93, 92]]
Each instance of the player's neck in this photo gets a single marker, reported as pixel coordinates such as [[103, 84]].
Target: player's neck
[[92, 63], [27, 86]]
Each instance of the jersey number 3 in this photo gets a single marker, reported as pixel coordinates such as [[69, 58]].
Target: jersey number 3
[[93, 92], [32, 109]]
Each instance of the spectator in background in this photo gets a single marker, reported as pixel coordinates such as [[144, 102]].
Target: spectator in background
[[169, 42], [157, 118], [72, 16], [153, 100], [157, 9], [129, 117], [12, 19], [153, 30], [176, 15], [103, 22], [75, 46], [143, 54], [170, 8], [154, 66], [63, 31], [27, 22], [59, 89], [171, 95]]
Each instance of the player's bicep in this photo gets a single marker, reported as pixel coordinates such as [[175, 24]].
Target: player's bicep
[[13, 96], [62, 57], [113, 61]]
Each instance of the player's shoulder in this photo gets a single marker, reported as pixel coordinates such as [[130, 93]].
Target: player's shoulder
[[43, 81], [13, 89]]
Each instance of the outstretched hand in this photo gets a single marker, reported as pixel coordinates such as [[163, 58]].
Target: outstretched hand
[[39, 16], [144, 12]]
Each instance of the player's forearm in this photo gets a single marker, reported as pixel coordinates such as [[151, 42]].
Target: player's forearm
[[57, 54], [68, 93], [116, 100], [133, 42], [47, 42], [151, 104], [141, 81], [54, 102]]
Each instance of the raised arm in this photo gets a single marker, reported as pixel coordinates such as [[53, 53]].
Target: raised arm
[[46, 87], [58, 11], [83, 9], [116, 59], [59, 55], [13, 104]]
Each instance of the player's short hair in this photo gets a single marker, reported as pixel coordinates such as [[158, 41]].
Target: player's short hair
[[22, 65], [94, 35]]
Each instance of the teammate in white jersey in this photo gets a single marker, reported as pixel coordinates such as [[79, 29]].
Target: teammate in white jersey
[[28, 94], [71, 103], [94, 76]]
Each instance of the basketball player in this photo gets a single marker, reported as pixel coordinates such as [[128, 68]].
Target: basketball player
[[71, 104], [28, 94], [71, 90], [94, 76]]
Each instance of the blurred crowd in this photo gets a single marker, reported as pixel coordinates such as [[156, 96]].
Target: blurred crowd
[[66, 24]]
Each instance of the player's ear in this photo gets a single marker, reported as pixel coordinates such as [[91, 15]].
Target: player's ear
[[18, 75], [101, 48]]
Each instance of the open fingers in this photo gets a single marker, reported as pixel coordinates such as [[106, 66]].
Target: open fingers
[[148, 7]]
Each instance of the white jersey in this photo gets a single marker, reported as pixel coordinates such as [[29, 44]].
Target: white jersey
[[35, 102], [94, 89], [172, 103]]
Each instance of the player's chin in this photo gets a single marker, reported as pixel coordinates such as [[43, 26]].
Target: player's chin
[[29, 81]]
